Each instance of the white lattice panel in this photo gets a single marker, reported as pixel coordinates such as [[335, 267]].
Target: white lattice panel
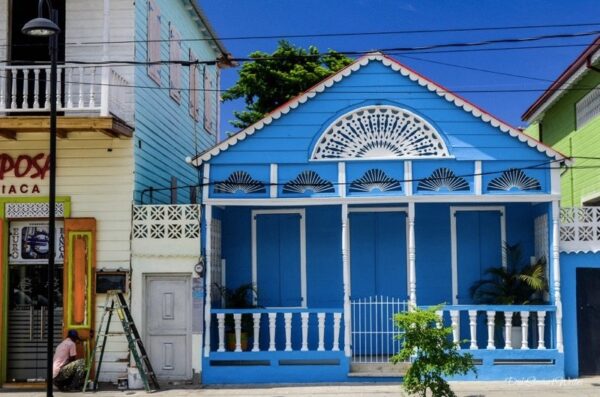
[[32, 210], [580, 229], [166, 230], [541, 237], [216, 265]]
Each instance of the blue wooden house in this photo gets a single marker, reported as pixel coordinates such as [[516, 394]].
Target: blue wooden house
[[374, 191]]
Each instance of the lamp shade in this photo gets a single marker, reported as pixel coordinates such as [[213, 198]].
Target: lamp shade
[[40, 27]]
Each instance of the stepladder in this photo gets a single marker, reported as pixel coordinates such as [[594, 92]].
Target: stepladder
[[117, 304]]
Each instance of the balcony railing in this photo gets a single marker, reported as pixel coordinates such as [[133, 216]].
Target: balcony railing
[[580, 229], [89, 89]]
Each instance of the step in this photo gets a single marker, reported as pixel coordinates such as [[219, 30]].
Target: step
[[378, 370]]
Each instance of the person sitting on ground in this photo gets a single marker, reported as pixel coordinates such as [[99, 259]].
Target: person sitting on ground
[[68, 372]]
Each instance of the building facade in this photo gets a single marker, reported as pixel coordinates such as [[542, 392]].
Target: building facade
[[374, 191], [129, 113]]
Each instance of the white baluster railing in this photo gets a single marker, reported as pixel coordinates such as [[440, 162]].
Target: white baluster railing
[[325, 324]]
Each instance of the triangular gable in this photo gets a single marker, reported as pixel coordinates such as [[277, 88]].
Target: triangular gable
[[398, 67]]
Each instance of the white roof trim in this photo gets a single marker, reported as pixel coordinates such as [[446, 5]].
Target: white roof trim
[[359, 63], [562, 90]]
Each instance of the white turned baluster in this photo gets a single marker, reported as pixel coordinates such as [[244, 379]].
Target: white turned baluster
[[508, 330], [13, 101], [58, 88], [256, 325], [2, 85], [69, 84], [525, 330], [92, 82], [287, 317], [272, 321], [541, 323], [237, 325], [473, 329], [321, 317], [25, 104], [36, 88], [47, 102], [304, 317], [221, 328], [81, 103], [455, 330], [439, 323], [490, 328], [336, 331]]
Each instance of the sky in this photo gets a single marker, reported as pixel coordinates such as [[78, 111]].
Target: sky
[[537, 67]]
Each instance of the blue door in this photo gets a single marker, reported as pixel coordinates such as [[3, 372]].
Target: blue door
[[278, 260]]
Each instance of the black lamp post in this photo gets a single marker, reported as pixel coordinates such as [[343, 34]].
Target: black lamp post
[[42, 27]]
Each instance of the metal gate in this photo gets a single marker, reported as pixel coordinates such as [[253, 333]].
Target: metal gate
[[374, 335]]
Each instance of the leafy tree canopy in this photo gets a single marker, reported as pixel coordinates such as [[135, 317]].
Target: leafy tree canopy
[[272, 79]]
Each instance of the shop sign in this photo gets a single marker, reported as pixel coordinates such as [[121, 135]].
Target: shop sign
[[28, 242], [21, 170]]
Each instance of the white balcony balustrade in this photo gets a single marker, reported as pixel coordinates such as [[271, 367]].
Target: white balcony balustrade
[[84, 90]]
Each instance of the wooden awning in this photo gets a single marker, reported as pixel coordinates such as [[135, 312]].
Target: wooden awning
[[11, 126]]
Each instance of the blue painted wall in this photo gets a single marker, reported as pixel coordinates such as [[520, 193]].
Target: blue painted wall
[[569, 263], [165, 132]]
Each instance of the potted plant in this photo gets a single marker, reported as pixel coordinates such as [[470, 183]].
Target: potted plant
[[242, 297], [518, 283]]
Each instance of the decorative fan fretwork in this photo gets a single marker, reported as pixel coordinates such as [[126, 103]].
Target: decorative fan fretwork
[[308, 181], [514, 179], [375, 179], [240, 182], [379, 132], [443, 179]]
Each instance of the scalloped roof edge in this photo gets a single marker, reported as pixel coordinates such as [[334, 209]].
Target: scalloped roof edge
[[364, 60]]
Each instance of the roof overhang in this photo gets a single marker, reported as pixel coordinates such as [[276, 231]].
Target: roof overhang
[[11, 126], [569, 77]]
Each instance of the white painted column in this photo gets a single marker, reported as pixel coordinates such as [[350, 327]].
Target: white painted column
[[207, 277], [478, 178], [346, 280], [556, 274], [273, 181], [412, 267], [104, 88]]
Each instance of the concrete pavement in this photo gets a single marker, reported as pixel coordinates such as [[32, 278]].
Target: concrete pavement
[[587, 387]]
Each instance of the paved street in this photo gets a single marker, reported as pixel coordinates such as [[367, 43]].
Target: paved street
[[589, 387]]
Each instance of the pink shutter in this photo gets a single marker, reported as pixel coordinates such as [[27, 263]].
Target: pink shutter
[[153, 45], [174, 68], [193, 85], [208, 101]]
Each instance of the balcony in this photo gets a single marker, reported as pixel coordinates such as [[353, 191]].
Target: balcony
[[88, 97]]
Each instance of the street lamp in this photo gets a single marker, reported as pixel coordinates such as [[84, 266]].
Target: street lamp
[[42, 27]]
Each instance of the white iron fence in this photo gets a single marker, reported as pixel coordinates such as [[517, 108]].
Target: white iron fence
[[374, 334]]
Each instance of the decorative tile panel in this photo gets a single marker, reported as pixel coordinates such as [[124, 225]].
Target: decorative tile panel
[[580, 229], [443, 179], [32, 210], [308, 181], [166, 221], [379, 132]]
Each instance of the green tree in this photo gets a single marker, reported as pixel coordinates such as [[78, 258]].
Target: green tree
[[433, 353], [272, 79]]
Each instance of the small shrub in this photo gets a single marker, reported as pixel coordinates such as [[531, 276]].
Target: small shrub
[[433, 352]]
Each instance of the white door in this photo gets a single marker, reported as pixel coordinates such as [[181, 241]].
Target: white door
[[168, 325]]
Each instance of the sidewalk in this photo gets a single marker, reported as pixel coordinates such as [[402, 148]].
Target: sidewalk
[[588, 387]]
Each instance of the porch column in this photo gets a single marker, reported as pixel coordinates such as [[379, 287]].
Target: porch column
[[346, 280], [412, 269], [556, 271], [207, 278]]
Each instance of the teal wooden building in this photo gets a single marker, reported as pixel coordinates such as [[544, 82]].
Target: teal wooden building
[[375, 190]]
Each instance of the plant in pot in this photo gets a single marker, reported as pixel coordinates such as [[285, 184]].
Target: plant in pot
[[518, 283], [242, 297]]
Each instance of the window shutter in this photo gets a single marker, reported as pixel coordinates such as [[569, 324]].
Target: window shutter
[[208, 98], [174, 68], [79, 276], [193, 85], [153, 45]]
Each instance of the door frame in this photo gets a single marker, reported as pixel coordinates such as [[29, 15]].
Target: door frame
[[188, 337], [454, 238], [283, 211], [373, 210]]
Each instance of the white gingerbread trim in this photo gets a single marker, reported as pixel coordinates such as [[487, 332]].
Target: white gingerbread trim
[[396, 66]]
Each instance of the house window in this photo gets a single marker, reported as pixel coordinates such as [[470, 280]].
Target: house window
[[209, 94], [193, 86], [154, 41], [174, 68], [588, 107]]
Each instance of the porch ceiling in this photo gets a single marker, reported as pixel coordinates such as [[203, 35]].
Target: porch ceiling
[[12, 126]]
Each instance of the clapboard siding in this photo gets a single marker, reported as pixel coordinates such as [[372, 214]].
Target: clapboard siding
[[165, 128], [114, 363], [467, 137], [3, 28]]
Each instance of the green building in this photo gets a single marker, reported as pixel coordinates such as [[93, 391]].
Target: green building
[[567, 118]]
